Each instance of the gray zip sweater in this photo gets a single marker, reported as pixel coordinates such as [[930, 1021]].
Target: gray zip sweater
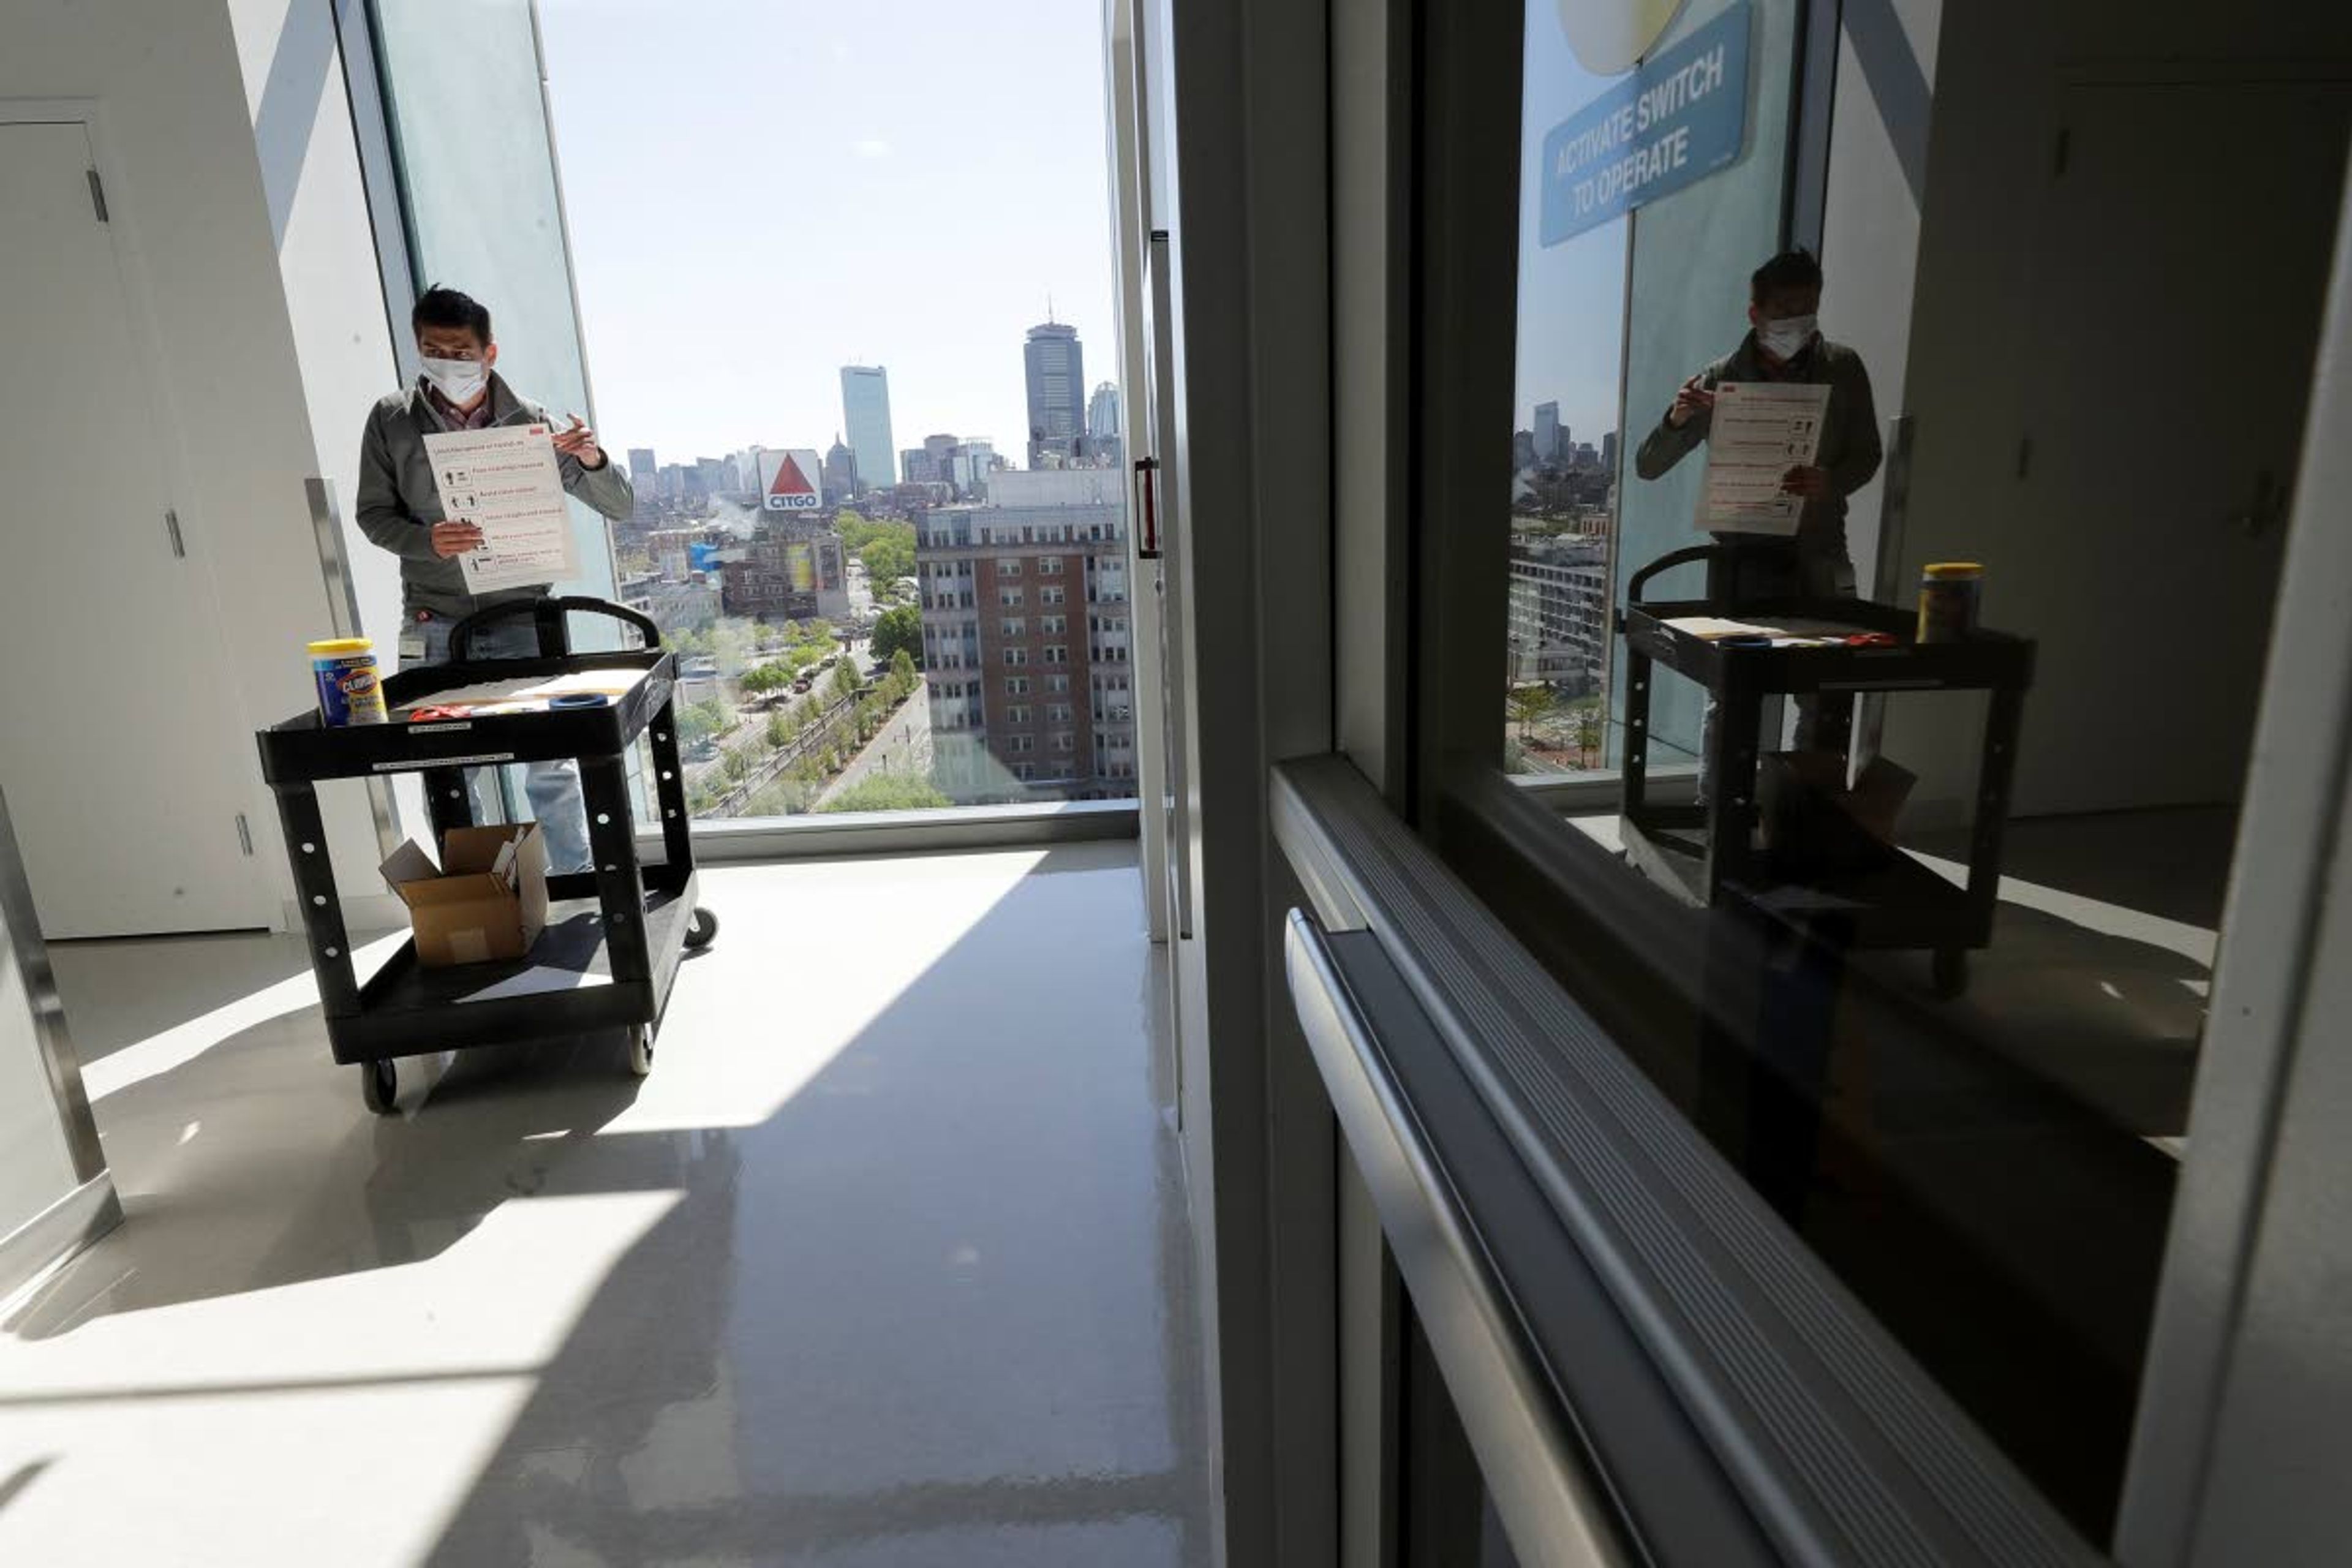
[[1849, 447], [398, 502]]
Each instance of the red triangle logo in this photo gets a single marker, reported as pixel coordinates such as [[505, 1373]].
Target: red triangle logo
[[789, 480]]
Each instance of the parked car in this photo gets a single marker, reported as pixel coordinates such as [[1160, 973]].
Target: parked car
[[803, 685]]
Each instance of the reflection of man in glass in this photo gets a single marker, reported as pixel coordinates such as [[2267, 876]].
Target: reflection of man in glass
[[1784, 298]]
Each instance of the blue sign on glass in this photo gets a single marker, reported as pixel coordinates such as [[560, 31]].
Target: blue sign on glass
[[1678, 116]]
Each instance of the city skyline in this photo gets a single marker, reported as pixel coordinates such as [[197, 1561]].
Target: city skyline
[[722, 290]]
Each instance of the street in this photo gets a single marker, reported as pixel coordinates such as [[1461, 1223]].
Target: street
[[903, 748], [751, 720]]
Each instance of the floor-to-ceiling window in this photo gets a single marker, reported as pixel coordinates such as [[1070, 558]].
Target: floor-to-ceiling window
[[837, 275]]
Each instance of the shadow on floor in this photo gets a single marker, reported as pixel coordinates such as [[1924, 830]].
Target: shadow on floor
[[182, 979], [930, 1301]]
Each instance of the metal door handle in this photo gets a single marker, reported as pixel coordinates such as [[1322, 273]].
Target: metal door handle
[[1147, 508]]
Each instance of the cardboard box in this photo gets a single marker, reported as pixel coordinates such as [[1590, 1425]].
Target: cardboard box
[[480, 906]]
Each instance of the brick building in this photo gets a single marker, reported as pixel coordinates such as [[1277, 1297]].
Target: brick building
[[1026, 639]]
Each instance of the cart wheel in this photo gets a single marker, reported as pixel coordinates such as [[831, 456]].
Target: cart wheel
[[701, 928], [379, 1086], [1949, 971], [641, 1048]]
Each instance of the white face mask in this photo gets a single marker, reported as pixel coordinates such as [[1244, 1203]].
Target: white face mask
[[1787, 337], [458, 380]]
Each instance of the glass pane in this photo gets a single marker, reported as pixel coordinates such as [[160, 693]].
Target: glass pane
[[1564, 460], [1907, 815], [1633, 236], [478, 191], [872, 612]]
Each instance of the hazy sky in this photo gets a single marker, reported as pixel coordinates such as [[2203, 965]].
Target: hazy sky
[[760, 192], [1571, 295]]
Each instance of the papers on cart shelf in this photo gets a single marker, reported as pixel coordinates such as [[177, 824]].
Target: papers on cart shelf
[[1759, 431], [1789, 632], [1710, 628], [505, 480], [527, 693]]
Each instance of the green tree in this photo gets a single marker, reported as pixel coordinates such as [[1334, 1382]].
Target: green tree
[[704, 719], [766, 678], [889, 792], [689, 643], [738, 765], [845, 682], [780, 731], [1528, 705], [1588, 727], [898, 634], [890, 558]]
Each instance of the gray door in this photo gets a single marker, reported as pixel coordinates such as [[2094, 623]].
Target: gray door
[[125, 791], [2178, 285]]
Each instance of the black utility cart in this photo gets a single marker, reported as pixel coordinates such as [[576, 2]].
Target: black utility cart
[[1707, 853], [615, 935]]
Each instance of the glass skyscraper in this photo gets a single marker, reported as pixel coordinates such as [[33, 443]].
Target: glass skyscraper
[[866, 417], [1057, 381]]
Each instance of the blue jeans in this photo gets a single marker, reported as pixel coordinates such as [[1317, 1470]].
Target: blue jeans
[[552, 788]]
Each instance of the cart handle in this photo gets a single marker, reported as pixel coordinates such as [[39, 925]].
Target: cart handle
[[1667, 563], [1722, 558], [548, 615]]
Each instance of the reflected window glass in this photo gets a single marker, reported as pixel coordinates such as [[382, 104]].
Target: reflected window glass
[[827, 570], [1894, 823]]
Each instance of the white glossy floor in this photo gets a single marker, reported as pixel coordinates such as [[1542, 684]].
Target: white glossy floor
[[886, 1264]]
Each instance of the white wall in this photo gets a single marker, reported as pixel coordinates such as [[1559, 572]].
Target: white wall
[[188, 197]]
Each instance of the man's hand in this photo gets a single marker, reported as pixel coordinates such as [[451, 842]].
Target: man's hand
[[580, 442], [1811, 483], [1692, 399], [455, 539]]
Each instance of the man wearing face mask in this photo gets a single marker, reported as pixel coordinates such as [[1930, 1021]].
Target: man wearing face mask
[[1784, 299], [1785, 343], [399, 509]]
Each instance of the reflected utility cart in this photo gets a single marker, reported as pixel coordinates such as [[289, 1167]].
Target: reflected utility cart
[[1707, 853], [615, 934]]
